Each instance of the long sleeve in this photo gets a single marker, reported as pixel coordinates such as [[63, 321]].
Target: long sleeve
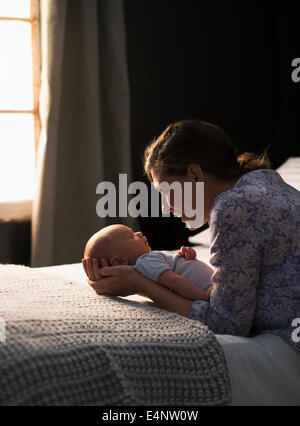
[[236, 255]]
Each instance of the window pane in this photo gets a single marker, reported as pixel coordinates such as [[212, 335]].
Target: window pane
[[16, 157], [15, 8], [16, 86]]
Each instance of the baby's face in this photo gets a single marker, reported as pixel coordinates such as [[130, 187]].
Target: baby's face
[[129, 244], [118, 244]]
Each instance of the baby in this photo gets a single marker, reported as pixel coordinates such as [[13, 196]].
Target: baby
[[181, 272]]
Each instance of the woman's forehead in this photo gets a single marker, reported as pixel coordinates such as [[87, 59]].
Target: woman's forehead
[[159, 177]]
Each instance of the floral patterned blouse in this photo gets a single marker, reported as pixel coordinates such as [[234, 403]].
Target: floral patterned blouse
[[255, 253]]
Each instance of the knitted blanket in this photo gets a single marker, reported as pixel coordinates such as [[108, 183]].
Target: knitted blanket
[[65, 345]]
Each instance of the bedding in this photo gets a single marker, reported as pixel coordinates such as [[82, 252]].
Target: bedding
[[202, 238], [290, 172], [67, 346], [263, 370]]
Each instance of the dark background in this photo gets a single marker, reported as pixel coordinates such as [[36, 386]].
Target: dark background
[[227, 62]]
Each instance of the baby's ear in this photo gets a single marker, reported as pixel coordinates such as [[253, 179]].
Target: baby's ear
[[116, 260]]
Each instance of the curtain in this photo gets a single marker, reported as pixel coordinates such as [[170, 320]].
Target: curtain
[[85, 124]]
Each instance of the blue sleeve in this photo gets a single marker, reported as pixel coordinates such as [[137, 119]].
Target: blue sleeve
[[236, 257], [152, 264]]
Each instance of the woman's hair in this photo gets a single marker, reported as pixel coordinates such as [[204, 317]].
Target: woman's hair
[[195, 141]]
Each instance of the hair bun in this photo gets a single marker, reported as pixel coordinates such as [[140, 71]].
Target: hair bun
[[251, 161]]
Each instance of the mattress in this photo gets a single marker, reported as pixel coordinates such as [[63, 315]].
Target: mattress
[[290, 171], [263, 370]]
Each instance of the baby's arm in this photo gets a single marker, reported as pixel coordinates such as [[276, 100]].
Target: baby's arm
[[183, 286]]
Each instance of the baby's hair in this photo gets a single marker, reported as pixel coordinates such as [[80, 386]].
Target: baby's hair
[[196, 141]]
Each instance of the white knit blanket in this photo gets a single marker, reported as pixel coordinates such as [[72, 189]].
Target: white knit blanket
[[67, 346]]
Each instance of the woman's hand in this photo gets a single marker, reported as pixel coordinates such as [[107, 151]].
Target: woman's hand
[[188, 253], [91, 268], [119, 280], [124, 280]]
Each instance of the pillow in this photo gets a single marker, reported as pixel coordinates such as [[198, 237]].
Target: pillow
[[290, 172], [202, 238]]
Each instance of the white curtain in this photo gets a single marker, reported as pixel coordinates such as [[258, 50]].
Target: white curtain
[[85, 124]]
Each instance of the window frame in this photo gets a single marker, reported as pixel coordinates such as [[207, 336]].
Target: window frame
[[21, 210]]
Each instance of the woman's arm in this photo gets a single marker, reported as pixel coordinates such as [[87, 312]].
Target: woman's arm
[[237, 233], [125, 280]]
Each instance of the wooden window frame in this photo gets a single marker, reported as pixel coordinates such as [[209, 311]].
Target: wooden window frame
[[34, 20], [21, 210]]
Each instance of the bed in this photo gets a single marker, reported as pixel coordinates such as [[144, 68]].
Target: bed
[[64, 345], [263, 370]]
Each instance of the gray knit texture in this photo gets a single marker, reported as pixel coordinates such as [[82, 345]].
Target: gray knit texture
[[65, 345]]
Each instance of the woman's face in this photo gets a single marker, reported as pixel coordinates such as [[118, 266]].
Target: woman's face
[[194, 204]]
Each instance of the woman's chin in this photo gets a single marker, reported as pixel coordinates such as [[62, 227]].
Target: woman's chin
[[187, 225], [191, 228]]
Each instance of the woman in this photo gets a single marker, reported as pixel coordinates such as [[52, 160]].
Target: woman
[[254, 219]]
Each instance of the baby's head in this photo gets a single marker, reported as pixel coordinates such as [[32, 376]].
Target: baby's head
[[118, 244]]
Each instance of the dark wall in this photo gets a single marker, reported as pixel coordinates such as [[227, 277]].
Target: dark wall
[[224, 62], [15, 242]]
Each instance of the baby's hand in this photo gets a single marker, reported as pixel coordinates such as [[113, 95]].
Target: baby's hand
[[188, 253]]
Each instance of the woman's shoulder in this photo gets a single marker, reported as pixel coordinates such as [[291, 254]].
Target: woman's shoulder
[[233, 207], [260, 196], [249, 196], [255, 186]]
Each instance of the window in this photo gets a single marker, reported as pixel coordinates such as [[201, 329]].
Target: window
[[19, 103]]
